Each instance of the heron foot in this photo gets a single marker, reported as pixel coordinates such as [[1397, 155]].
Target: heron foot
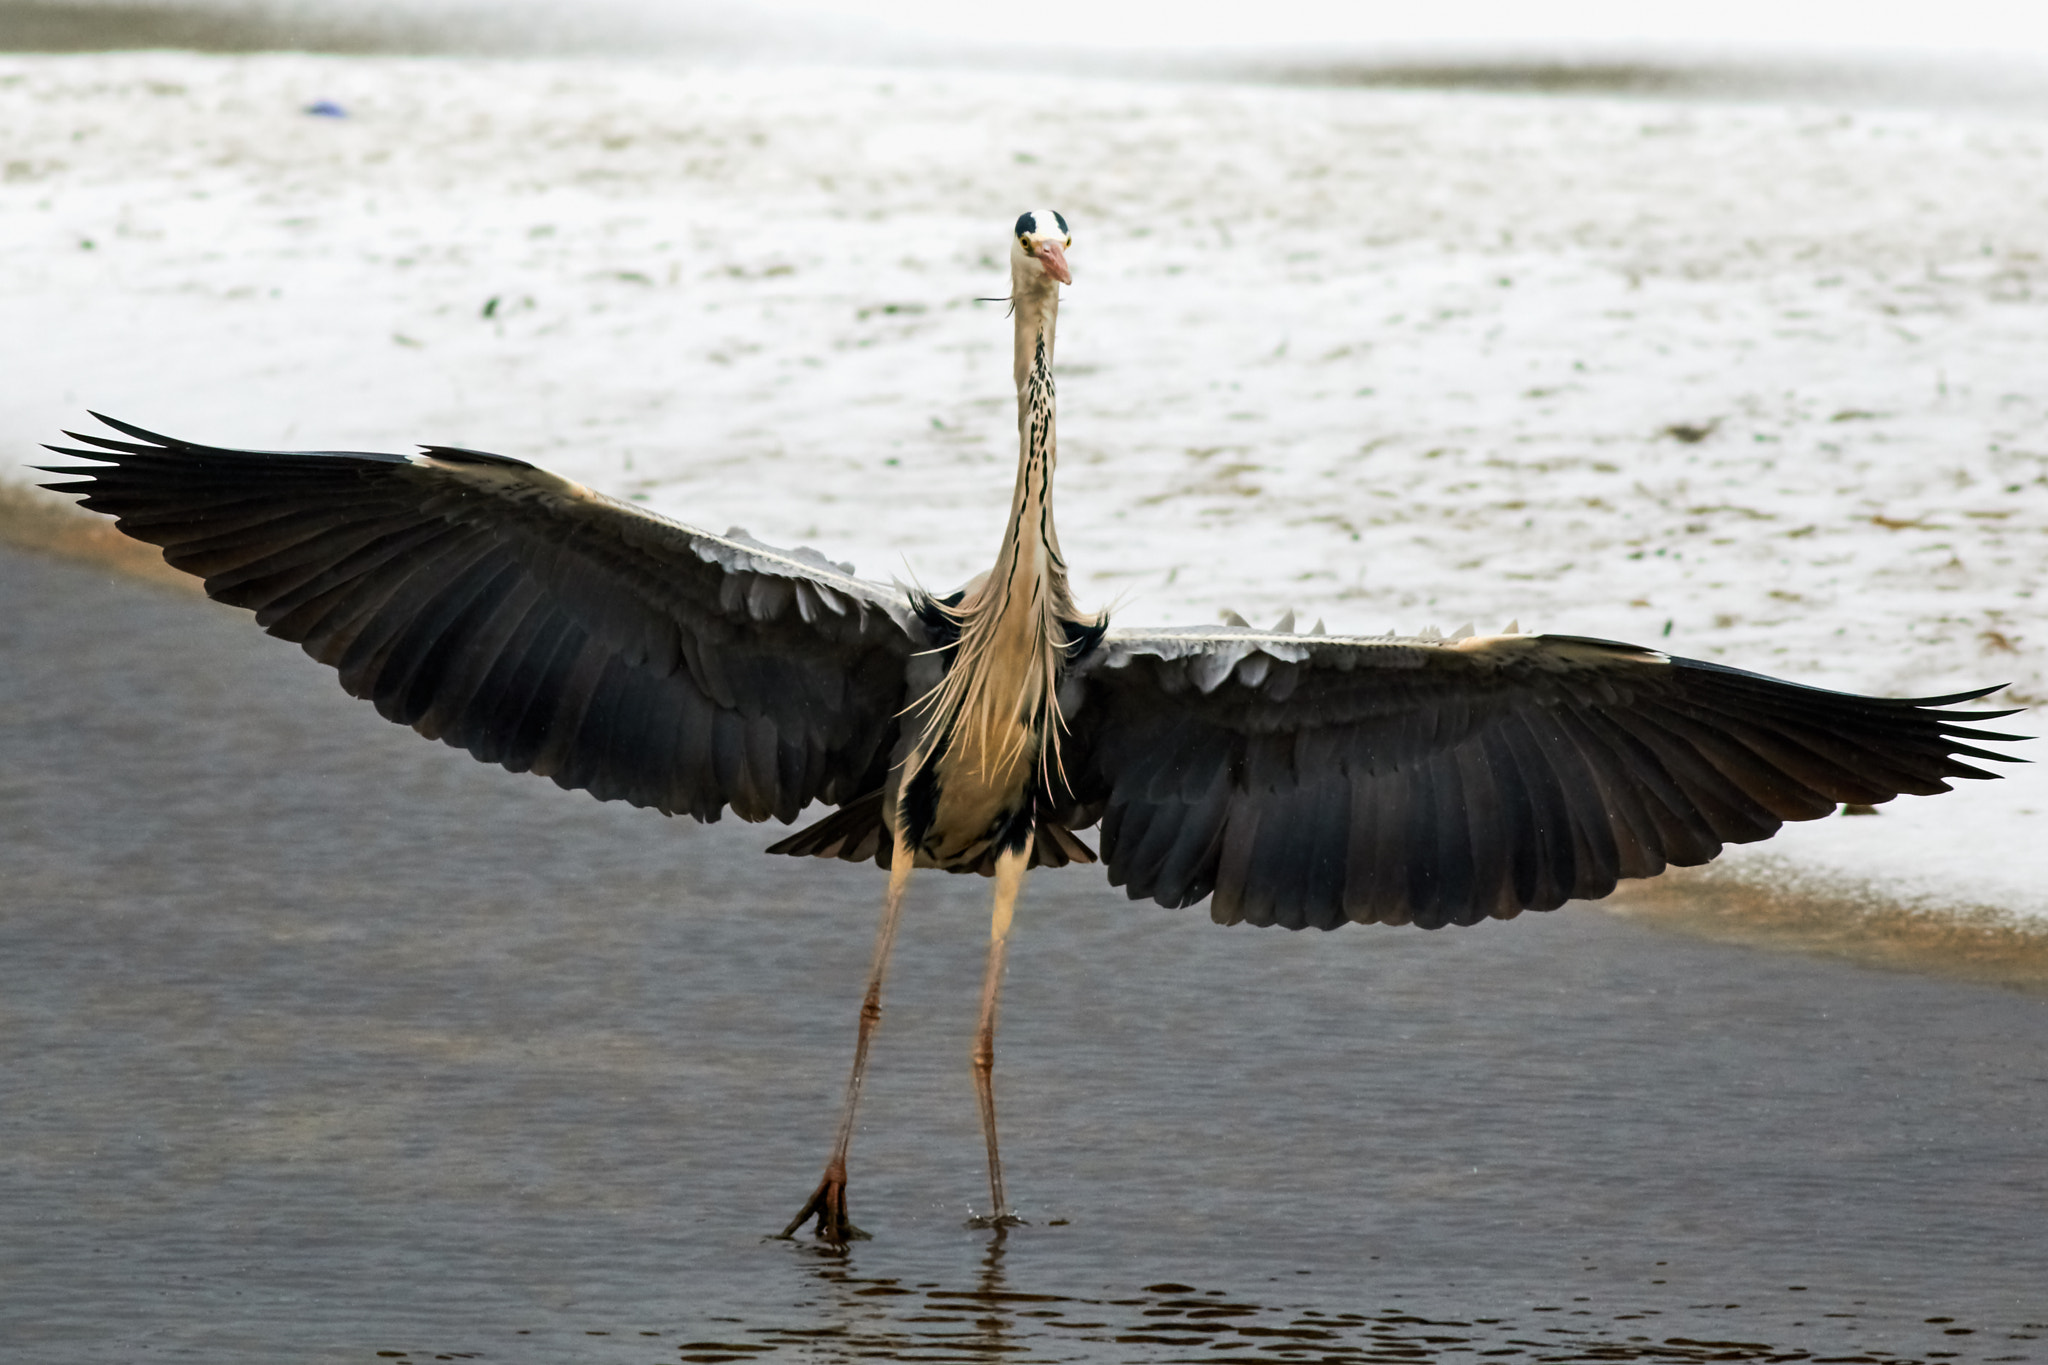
[[999, 1220], [828, 1204]]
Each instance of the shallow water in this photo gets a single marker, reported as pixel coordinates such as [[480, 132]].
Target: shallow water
[[323, 1043]]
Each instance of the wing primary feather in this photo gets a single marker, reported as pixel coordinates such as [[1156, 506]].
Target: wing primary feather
[[431, 641], [532, 690], [1186, 870], [1329, 819], [1240, 832], [493, 714], [1274, 876], [1596, 860], [1421, 849], [1545, 867], [1730, 815], [1445, 843], [391, 601], [1486, 829], [1625, 786]]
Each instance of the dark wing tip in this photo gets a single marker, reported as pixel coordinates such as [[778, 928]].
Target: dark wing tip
[[1969, 751], [104, 443], [84, 478], [1973, 717], [151, 443], [129, 428], [1955, 697]]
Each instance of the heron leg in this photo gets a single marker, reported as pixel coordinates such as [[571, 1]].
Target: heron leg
[[1010, 869], [828, 1202]]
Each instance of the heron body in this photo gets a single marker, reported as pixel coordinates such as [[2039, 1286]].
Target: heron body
[[991, 729], [1304, 780]]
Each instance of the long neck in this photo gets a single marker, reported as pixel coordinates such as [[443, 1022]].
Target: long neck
[[1031, 548], [998, 706]]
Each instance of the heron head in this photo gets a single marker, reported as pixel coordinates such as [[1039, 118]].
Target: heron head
[[1041, 248]]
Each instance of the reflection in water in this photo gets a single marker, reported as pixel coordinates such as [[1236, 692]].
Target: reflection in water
[[978, 1323], [869, 1318]]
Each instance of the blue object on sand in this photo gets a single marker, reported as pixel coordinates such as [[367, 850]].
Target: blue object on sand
[[326, 109]]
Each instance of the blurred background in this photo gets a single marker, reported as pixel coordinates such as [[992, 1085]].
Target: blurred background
[[1975, 51]]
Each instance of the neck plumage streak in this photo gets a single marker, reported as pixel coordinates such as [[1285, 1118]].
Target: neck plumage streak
[[993, 723]]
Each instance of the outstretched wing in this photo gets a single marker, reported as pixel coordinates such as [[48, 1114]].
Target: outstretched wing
[[539, 625], [1310, 780]]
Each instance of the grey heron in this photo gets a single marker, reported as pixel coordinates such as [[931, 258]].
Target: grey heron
[[1297, 779]]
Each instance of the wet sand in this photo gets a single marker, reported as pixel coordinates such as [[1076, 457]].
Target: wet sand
[[1775, 903], [325, 1043]]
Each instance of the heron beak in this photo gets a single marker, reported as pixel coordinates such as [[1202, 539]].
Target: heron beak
[[1053, 259]]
